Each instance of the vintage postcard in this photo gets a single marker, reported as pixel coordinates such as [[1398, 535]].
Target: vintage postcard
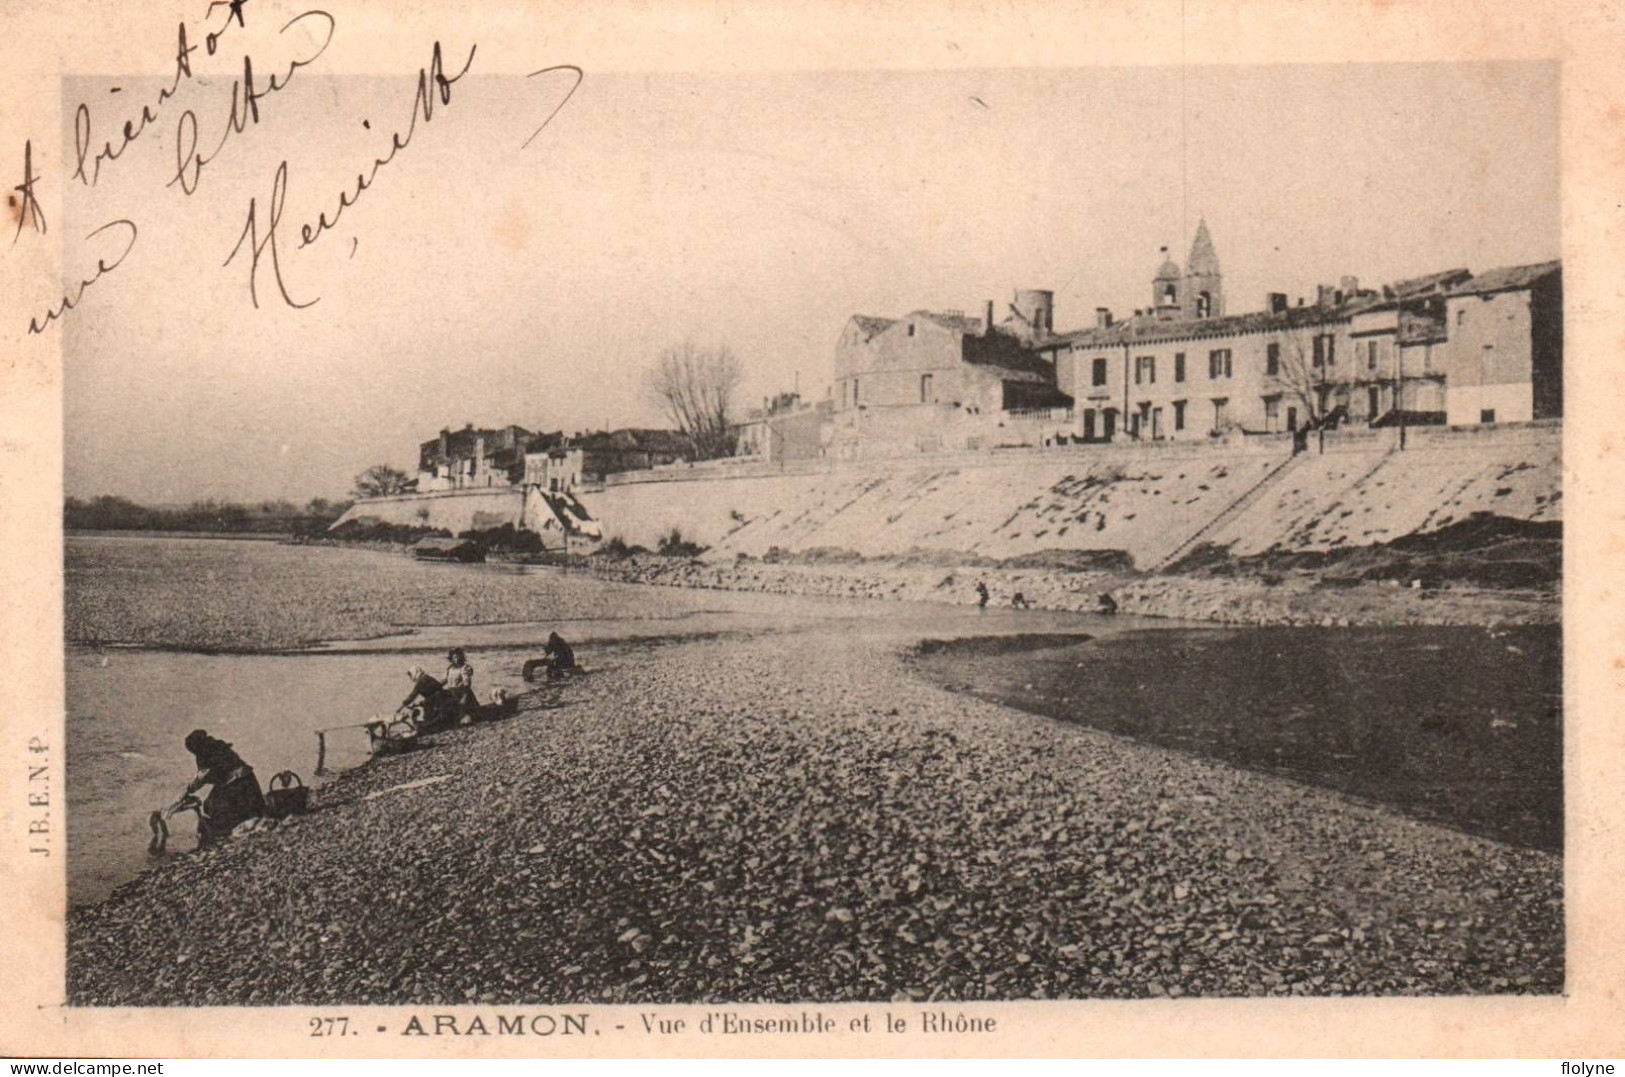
[[812, 528]]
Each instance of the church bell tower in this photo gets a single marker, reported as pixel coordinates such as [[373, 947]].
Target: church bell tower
[[1204, 284]]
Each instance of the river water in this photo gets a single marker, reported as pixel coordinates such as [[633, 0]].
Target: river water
[[1461, 726]]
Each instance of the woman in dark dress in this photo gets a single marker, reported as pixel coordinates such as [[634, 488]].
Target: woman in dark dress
[[558, 659], [561, 655], [234, 792]]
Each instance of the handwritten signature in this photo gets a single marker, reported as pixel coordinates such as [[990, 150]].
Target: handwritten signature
[[259, 238], [433, 86]]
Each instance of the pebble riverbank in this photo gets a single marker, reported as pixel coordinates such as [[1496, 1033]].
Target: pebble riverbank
[[796, 817]]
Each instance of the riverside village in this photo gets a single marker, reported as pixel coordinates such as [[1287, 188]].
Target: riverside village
[[1358, 415]]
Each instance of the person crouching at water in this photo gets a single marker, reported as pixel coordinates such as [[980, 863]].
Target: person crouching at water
[[234, 793], [558, 659], [560, 656], [425, 689]]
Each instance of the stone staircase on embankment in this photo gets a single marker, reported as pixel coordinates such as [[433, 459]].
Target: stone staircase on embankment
[[1234, 510], [1351, 499]]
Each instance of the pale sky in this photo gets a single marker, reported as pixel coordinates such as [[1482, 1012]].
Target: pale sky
[[478, 282]]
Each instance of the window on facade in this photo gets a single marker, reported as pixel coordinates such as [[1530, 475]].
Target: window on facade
[[1218, 363], [1098, 374], [1272, 359], [1221, 412], [1373, 401], [1487, 415], [854, 392], [1371, 355], [910, 328], [1179, 415], [1461, 317], [1204, 304], [1169, 294], [1145, 370], [926, 396], [1325, 350], [1272, 412], [1179, 366]]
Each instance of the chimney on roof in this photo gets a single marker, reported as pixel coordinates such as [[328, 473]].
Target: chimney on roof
[[1300, 301], [1325, 295], [1103, 318], [445, 442], [1275, 303], [987, 324], [1350, 286]]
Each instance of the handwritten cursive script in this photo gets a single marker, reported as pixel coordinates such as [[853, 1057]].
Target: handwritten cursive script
[[261, 236], [244, 110], [103, 267], [133, 128], [433, 83]]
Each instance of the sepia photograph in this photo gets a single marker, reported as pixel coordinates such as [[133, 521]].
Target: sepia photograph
[[540, 534]]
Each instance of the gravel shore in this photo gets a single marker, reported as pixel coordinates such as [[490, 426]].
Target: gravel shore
[[798, 818]]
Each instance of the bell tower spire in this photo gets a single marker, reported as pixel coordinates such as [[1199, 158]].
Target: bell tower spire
[[1204, 283]]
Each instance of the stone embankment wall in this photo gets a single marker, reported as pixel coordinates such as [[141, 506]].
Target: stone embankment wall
[[1151, 502], [1358, 494]]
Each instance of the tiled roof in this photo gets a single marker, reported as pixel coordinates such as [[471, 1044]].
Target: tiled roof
[[949, 321], [871, 324], [1433, 282], [1507, 278]]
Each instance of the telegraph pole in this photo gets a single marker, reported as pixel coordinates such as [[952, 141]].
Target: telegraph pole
[[1399, 371]]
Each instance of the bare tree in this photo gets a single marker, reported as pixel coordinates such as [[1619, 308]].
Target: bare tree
[[1306, 381], [381, 480], [694, 388]]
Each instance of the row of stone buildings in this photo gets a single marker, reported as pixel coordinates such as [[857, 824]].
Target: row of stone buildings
[[1452, 347], [475, 458]]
